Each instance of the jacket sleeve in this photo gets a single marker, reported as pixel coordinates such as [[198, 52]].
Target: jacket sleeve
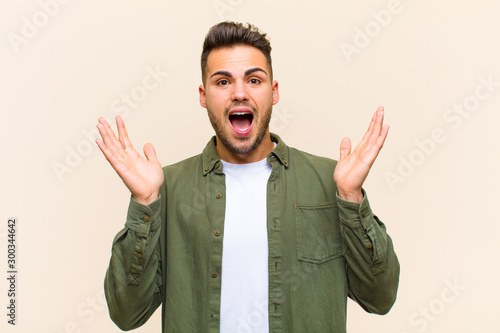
[[371, 263], [133, 280]]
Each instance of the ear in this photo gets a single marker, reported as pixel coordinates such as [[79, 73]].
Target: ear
[[203, 98], [276, 94]]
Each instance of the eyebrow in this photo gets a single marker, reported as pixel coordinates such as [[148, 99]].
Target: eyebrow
[[247, 72]]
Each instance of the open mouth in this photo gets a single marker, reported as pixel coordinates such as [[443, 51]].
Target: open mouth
[[241, 121]]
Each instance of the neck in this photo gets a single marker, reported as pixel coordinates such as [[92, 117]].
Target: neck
[[258, 154]]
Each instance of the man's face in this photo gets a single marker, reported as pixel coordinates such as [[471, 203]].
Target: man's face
[[238, 95]]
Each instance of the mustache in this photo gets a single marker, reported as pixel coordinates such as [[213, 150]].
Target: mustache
[[240, 104]]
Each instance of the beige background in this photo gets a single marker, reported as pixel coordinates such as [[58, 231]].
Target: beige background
[[437, 199]]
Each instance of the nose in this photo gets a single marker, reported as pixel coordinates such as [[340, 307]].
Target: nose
[[239, 92]]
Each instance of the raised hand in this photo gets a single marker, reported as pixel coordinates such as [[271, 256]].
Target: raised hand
[[142, 176], [352, 168]]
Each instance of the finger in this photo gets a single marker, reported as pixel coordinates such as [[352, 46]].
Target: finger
[[122, 133], [371, 127], [107, 134], [102, 147], [345, 148], [150, 153], [107, 152], [382, 137], [376, 128], [379, 144]]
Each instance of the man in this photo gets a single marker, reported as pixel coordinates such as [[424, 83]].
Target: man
[[250, 235]]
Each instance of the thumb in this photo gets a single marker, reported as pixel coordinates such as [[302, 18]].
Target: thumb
[[150, 153], [345, 148]]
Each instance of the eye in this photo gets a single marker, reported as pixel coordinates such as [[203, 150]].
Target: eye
[[222, 82], [254, 81]]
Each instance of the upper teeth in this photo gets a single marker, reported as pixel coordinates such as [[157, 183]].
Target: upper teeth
[[239, 113]]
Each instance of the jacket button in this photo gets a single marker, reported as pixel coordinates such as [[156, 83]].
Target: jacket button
[[369, 246], [214, 274], [145, 219], [218, 195], [217, 233]]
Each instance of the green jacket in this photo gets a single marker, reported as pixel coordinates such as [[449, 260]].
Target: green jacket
[[322, 249]]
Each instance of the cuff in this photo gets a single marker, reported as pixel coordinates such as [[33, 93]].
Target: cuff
[[355, 215], [143, 218]]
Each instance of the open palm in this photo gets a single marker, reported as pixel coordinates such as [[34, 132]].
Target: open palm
[[352, 168], [142, 176]]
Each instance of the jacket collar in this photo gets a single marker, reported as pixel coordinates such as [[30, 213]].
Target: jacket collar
[[211, 160]]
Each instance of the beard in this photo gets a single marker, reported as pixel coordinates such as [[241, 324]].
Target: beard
[[247, 144]]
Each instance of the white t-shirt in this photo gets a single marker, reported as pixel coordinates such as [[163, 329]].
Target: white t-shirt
[[245, 283]]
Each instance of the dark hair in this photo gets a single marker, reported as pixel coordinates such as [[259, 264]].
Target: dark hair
[[228, 34]]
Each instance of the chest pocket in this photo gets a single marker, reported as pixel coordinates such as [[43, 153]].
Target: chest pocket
[[318, 232]]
